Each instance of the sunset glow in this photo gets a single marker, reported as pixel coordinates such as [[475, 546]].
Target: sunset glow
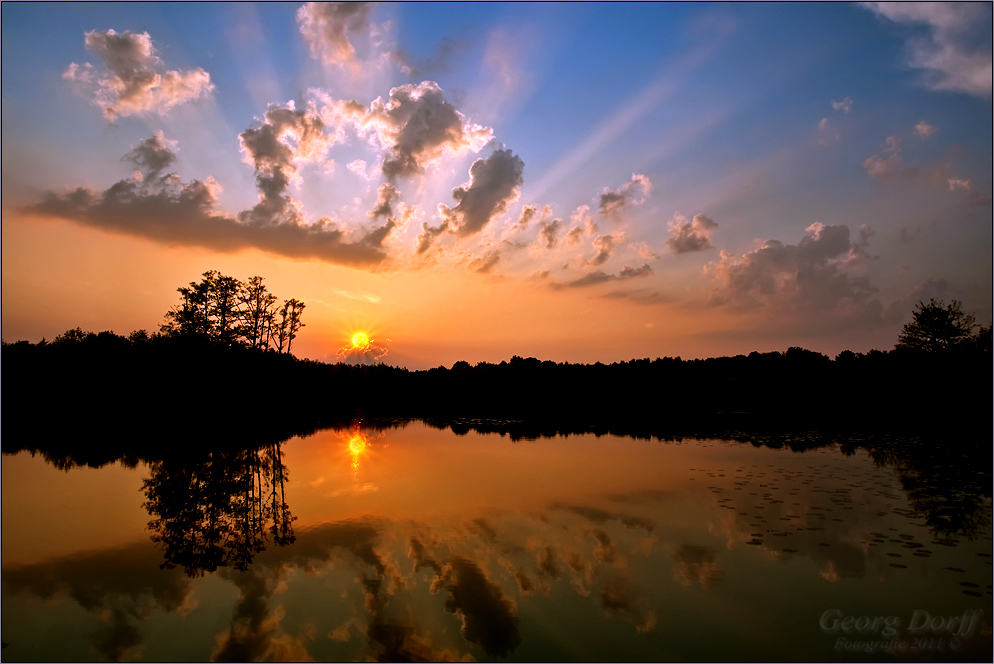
[[579, 183]]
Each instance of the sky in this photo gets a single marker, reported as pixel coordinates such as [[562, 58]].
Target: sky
[[574, 182]]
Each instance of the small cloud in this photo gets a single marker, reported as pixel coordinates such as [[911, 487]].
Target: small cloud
[[687, 236], [326, 27], [924, 129], [599, 277], [612, 203], [844, 106]]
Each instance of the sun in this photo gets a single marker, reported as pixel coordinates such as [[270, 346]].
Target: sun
[[360, 340], [357, 444]]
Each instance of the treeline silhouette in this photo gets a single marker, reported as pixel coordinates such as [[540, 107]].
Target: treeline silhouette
[[154, 396]]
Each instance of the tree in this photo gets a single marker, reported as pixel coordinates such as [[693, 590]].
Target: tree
[[937, 327], [257, 312]]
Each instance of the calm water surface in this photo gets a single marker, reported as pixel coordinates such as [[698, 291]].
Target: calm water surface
[[419, 544]]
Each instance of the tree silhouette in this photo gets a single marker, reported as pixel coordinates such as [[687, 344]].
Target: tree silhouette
[[232, 312], [937, 327]]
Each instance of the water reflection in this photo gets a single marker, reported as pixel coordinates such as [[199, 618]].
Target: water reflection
[[700, 549], [216, 509]]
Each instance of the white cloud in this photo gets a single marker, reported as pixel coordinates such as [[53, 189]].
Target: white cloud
[[136, 80], [956, 53]]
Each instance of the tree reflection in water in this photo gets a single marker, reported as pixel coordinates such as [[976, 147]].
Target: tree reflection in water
[[214, 510]]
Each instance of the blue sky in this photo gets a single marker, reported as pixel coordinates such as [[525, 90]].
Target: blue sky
[[692, 133]]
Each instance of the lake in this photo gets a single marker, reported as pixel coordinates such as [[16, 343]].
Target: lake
[[416, 543]]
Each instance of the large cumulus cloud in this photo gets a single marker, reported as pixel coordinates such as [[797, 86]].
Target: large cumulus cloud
[[135, 80], [816, 274], [161, 207], [494, 182], [418, 127]]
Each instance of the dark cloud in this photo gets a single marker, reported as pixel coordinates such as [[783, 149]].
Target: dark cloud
[[170, 211], [386, 196], [418, 127], [604, 244], [488, 616], [599, 277], [548, 232], [153, 155], [326, 27], [429, 234], [616, 599], [613, 203], [812, 275], [493, 183], [121, 583], [687, 236], [135, 80], [285, 136]]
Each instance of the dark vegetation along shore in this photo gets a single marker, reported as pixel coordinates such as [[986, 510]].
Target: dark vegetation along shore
[[202, 381]]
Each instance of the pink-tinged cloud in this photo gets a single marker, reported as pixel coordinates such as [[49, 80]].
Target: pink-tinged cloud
[[688, 236], [613, 203], [817, 274], [418, 128], [135, 80], [326, 27]]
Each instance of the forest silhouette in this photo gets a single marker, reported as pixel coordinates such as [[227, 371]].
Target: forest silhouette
[[219, 375]]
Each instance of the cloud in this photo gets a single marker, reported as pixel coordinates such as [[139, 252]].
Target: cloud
[[955, 51], [285, 136], [386, 196], [612, 203], [326, 27], [616, 599], [642, 250], [164, 209], [687, 236], [429, 234], [845, 105], [604, 244], [153, 155], [696, 564], [599, 277], [548, 233], [135, 80], [828, 133], [940, 176], [418, 128], [486, 262], [494, 182], [811, 275]]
